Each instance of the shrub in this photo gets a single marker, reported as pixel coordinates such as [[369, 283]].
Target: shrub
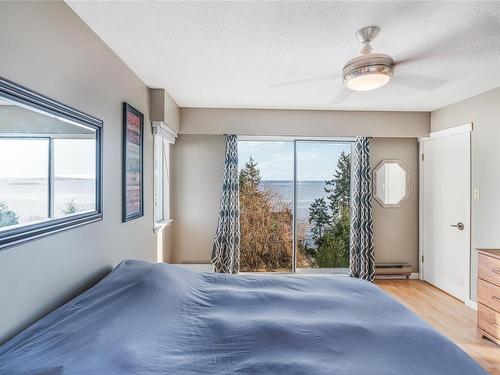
[[7, 216]]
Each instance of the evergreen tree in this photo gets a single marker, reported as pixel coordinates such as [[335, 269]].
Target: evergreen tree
[[333, 250], [71, 207], [333, 246], [250, 175], [7, 216], [319, 218], [339, 187]]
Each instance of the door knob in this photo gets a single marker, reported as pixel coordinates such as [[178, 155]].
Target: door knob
[[458, 225]]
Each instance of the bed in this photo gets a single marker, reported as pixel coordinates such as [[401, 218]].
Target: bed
[[148, 318]]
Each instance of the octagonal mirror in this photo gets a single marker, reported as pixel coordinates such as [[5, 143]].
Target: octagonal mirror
[[391, 183]]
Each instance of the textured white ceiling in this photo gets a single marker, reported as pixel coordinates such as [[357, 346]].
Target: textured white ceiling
[[228, 54]]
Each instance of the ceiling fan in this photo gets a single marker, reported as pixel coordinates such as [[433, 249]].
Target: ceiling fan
[[371, 70]]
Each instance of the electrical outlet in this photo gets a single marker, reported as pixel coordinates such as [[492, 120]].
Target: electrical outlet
[[476, 193]]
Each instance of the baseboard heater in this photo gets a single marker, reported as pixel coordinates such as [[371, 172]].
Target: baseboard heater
[[392, 270]]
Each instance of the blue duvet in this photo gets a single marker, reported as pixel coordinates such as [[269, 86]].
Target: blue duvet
[[161, 319]]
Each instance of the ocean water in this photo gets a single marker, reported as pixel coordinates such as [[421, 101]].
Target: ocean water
[[307, 192], [28, 197]]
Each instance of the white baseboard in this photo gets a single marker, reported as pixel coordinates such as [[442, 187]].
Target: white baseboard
[[470, 303]]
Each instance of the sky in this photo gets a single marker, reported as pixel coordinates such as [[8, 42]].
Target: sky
[[316, 160], [29, 158]]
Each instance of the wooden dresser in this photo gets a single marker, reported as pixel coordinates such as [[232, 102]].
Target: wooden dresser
[[488, 294]]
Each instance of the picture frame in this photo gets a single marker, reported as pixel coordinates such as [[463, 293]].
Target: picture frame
[[132, 164]]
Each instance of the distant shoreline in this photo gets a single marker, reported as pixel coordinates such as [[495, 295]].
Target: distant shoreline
[[33, 180]]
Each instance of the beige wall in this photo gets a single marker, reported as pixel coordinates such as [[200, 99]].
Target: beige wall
[[396, 229], [164, 109], [484, 112], [304, 123], [199, 157], [197, 180], [46, 47]]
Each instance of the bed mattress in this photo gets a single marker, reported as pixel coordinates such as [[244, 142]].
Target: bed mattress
[[148, 318]]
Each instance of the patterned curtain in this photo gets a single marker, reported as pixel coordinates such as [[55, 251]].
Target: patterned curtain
[[362, 251], [226, 249]]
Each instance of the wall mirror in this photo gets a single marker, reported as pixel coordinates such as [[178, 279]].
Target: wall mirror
[[391, 183], [50, 170]]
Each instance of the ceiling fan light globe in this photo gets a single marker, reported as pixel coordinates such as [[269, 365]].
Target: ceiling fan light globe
[[367, 82], [368, 72]]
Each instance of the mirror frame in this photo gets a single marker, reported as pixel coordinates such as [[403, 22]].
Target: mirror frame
[[407, 183], [30, 98]]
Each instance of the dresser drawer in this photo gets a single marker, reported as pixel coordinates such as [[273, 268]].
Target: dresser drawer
[[489, 269], [488, 320], [488, 294]]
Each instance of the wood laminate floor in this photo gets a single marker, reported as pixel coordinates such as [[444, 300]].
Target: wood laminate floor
[[448, 315]]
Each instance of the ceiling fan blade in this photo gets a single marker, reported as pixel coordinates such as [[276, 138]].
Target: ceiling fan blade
[[341, 96], [417, 81], [479, 35], [488, 49], [304, 81]]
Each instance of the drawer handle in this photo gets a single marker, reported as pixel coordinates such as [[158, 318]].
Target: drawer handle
[[495, 298]]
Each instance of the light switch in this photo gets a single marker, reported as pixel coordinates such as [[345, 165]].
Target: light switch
[[476, 193]]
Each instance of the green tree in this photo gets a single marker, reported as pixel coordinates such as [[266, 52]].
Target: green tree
[[319, 218], [250, 175], [339, 187], [265, 225], [333, 249], [71, 207], [7, 216], [333, 246]]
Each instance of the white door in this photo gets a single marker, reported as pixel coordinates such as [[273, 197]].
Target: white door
[[446, 210]]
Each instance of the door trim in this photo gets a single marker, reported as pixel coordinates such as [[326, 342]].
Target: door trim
[[421, 208], [465, 128], [460, 129]]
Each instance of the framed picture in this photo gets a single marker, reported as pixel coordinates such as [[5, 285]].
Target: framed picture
[[133, 170]]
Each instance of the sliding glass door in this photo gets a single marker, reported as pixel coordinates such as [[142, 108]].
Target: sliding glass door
[[266, 206], [322, 192], [294, 199]]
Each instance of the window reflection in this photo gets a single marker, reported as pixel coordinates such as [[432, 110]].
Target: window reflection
[[74, 176], [47, 168], [24, 194]]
